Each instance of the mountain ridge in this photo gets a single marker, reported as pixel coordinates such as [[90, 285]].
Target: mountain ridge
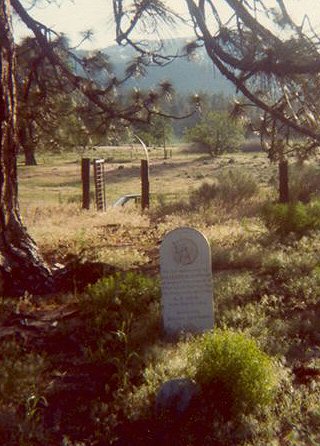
[[187, 76]]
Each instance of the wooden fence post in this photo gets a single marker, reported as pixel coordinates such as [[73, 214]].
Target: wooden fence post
[[145, 199], [85, 176]]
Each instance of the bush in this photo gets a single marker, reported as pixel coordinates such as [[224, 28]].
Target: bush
[[233, 371], [239, 256], [112, 308], [297, 218], [304, 183], [217, 133], [20, 373], [231, 188], [113, 300]]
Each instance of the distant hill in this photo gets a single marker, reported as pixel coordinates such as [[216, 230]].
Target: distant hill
[[186, 76]]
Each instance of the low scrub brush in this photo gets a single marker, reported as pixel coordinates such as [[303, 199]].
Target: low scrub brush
[[234, 373]]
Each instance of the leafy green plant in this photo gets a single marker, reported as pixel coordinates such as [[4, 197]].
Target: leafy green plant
[[232, 187], [243, 255], [297, 218], [232, 289], [19, 373], [112, 297], [159, 132], [289, 263], [111, 307], [217, 133], [233, 371]]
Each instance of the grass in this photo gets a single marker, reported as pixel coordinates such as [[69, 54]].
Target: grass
[[92, 378], [60, 177]]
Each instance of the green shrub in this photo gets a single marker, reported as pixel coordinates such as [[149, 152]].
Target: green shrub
[[206, 193], [287, 264], [242, 255], [217, 133], [20, 373], [233, 371], [168, 206], [112, 300], [304, 183], [297, 218], [112, 307], [237, 284], [232, 187]]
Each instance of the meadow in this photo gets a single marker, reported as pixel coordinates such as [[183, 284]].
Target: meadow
[[83, 366]]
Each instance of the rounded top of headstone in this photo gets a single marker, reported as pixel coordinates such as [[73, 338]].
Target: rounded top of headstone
[[183, 247]]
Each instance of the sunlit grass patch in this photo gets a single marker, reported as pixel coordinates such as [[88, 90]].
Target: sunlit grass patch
[[90, 235]]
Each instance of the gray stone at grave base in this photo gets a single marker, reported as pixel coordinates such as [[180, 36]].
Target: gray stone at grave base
[[176, 395], [186, 282]]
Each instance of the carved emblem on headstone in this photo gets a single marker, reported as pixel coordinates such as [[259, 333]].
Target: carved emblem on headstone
[[185, 251]]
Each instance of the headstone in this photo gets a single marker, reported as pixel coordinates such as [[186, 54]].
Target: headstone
[[186, 282]]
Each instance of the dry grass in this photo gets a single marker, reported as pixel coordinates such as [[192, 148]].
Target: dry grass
[[262, 287], [65, 230], [58, 180], [50, 196]]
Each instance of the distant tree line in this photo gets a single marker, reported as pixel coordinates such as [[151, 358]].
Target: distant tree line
[[51, 121]]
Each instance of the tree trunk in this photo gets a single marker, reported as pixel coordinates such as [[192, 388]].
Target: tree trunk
[[26, 146], [29, 156], [21, 267], [283, 181]]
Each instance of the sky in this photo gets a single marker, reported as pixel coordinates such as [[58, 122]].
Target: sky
[[73, 16]]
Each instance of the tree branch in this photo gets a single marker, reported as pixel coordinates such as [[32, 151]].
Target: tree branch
[[95, 95]]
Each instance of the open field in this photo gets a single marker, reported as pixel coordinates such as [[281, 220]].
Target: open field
[[83, 366], [50, 193], [60, 177]]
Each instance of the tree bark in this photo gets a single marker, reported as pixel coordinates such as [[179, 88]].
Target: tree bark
[[283, 181], [29, 157], [26, 146], [21, 267]]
